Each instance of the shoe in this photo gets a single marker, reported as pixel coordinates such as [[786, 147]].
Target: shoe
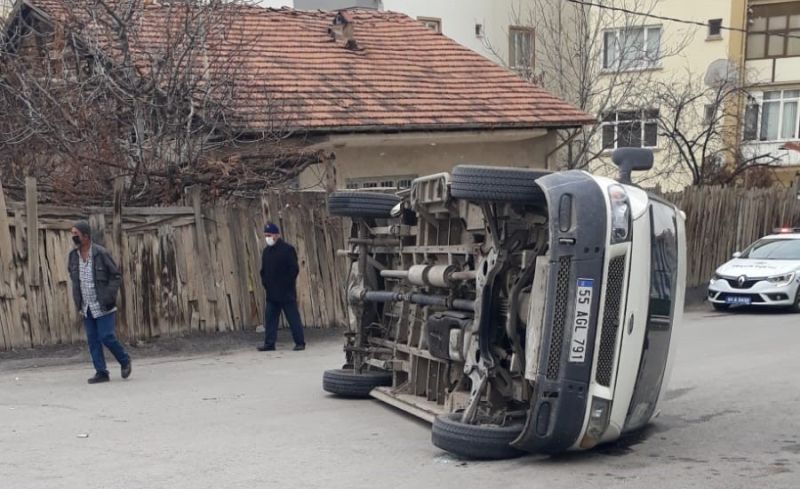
[[299, 347], [126, 370], [99, 378], [266, 348]]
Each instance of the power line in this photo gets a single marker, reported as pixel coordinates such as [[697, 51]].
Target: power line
[[670, 19]]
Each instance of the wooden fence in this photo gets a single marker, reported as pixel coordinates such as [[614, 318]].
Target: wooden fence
[[195, 268], [184, 269], [720, 221]]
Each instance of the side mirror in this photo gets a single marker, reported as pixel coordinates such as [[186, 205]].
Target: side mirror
[[631, 159], [737, 254]]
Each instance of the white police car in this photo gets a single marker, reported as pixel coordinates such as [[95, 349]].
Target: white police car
[[767, 273]]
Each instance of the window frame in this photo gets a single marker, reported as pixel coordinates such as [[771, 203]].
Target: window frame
[[768, 11], [712, 24], [512, 58], [643, 121], [757, 103], [430, 22], [638, 65]]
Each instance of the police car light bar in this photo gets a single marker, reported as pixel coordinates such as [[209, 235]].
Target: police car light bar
[[786, 230]]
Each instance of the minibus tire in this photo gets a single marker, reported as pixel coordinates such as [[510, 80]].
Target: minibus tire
[[347, 383], [480, 442], [497, 184], [362, 204]]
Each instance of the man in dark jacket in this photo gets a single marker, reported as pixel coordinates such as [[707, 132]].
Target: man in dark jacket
[[95, 283], [279, 270]]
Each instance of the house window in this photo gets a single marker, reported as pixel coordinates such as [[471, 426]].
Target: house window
[[774, 31], [777, 119], [630, 129], [396, 182], [521, 45], [431, 23], [631, 48], [715, 28], [478, 30]]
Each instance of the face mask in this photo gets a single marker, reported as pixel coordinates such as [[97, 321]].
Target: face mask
[[270, 241], [76, 240]]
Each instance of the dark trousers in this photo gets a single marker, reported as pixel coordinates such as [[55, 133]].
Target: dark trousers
[[272, 316], [100, 332]]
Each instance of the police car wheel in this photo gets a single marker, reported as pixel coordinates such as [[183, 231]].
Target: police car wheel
[[795, 308]]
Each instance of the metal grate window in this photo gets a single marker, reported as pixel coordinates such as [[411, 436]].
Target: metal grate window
[[611, 321], [559, 317]]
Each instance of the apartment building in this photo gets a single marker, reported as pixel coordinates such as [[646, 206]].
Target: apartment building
[[770, 54], [653, 54]]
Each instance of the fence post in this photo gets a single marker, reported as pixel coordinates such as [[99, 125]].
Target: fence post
[[6, 250], [119, 250], [201, 238], [32, 215]]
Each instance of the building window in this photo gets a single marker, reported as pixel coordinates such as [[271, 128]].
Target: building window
[[399, 182], [521, 46], [774, 31], [431, 23], [710, 114], [630, 129], [751, 114], [777, 118], [632, 48], [478, 30], [715, 28]]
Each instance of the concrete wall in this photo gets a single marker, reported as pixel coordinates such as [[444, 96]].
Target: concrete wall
[[424, 159]]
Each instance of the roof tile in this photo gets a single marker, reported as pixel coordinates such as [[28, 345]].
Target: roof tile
[[403, 75]]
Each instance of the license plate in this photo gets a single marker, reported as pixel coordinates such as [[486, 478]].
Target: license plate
[[739, 300], [580, 327]]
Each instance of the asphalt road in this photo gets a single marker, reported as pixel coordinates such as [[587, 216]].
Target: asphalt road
[[254, 420]]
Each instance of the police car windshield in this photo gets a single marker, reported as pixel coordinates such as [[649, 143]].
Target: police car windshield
[[774, 249]]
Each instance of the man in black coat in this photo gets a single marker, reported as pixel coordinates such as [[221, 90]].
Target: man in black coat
[[279, 270]]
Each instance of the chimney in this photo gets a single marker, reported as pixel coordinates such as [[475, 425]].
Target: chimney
[[342, 30]]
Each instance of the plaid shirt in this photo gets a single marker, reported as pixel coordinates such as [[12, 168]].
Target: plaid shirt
[[88, 291]]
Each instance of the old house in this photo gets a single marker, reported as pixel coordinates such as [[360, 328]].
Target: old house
[[389, 98]]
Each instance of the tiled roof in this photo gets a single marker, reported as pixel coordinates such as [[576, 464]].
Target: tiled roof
[[402, 75]]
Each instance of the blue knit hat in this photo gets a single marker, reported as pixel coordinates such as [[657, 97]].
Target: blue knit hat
[[271, 228]]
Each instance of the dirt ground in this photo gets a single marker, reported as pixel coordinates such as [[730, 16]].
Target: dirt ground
[[214, 413]]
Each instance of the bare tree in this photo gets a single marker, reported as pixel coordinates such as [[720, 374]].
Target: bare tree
[[603, 60], [701, 120], [152, 93]]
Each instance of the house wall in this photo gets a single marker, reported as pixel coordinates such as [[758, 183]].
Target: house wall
[[423, 159]]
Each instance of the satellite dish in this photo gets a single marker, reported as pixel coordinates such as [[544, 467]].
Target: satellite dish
[[721, 72]]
